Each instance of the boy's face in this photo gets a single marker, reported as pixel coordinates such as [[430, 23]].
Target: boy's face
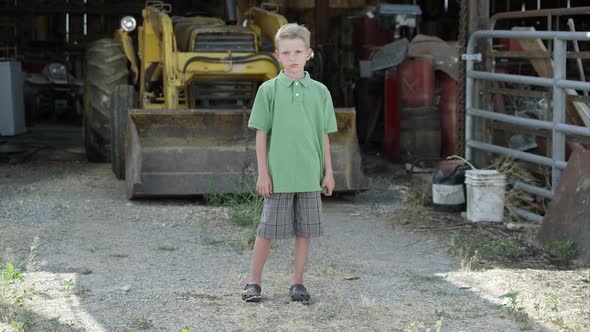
[[293, 54]]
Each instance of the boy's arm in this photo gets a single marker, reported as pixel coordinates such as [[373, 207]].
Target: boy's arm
[[264, 183], [328, 182]]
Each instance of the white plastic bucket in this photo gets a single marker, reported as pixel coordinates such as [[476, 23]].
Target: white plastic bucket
[[485, 195]]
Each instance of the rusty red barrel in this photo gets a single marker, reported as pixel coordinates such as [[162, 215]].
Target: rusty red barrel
[[391, 137], [447, 108], [416, 82]]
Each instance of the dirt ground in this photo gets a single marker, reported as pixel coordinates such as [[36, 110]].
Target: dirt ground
[[94, 261]]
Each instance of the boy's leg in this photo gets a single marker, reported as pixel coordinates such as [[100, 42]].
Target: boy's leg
[[301, 253], [259, 255], [276, 222], [308, 224]]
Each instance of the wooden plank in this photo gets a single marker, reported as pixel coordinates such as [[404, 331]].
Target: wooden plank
[[578, 55], [584, 99], [514, 129], [519, 92], [309, 4]]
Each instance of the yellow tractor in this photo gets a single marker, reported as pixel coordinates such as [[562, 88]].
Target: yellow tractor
[[176, 124]]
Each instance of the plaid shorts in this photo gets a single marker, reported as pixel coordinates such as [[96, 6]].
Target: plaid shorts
[[291, 214]]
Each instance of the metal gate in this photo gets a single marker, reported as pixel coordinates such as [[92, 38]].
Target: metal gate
[[558, 126]]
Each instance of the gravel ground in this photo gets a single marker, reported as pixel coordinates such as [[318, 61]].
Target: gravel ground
[[95, 261]]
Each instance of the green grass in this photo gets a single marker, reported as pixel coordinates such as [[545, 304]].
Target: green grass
[[423, 279], [507, 249], [167, 248], [474, 248], [562, 248], [142, 323], [235, 245], [245, 206]]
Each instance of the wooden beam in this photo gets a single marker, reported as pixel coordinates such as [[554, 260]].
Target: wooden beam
[[72, 8]]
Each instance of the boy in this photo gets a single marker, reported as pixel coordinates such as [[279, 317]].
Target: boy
[[292, 115]]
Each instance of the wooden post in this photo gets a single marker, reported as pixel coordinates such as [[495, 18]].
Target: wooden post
[[322, 19], [479, 15]]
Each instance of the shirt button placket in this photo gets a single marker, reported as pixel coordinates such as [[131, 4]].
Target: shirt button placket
[[297, 93]]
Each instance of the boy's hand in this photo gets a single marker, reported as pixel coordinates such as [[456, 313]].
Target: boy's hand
[[264, 185], [328, 184]]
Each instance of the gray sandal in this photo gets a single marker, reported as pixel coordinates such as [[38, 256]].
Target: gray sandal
[[252, 293], [299, 293]]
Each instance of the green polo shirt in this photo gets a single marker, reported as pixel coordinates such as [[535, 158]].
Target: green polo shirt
[[296, 114]]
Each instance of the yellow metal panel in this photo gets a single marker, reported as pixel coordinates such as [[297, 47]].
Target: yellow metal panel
[[268, 22], [127, 43], [261, 67], [150, 41]]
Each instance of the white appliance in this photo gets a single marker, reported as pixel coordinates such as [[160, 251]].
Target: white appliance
[[12, 109]]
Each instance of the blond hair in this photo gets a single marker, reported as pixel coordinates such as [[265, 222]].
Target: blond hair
[[292, 31]]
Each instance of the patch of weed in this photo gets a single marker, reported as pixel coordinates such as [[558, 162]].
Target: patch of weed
[[552, 300], [442, 314], [562, 248], [83, 291], [167, 248], [517, 312], [506, 249], [24, 323], [423, 279], [119, 255], [198, 296], [474, 261], [11, 275], [245, 205], [69, 283], [142, 323], [54, 323], [473, 248], [420, 327], [236, 245]]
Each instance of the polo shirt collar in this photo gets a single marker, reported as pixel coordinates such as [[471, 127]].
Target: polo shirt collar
[[287, 81]]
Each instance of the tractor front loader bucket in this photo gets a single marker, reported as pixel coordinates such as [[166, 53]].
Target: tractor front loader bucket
[[193, 152], [187, 152]]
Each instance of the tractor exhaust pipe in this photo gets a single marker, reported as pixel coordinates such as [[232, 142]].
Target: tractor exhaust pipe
[[231, 14]]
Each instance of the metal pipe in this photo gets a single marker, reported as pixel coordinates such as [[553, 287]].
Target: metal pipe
[[559, 73], [533, 189], [539, 81], [533, 158], [530, 123], [525, 34], [231, 12], [528, 215], [576, 85], [468, 101], [533, 80], [571, 129]]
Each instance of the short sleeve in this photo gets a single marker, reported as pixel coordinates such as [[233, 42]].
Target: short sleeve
[[329, 114], [260, 117]]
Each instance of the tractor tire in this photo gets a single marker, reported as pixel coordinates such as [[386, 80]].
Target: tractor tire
[[106, 68], [124, 98]]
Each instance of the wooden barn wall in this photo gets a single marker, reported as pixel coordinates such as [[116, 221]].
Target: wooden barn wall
[[41, 31], [42, 21]]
